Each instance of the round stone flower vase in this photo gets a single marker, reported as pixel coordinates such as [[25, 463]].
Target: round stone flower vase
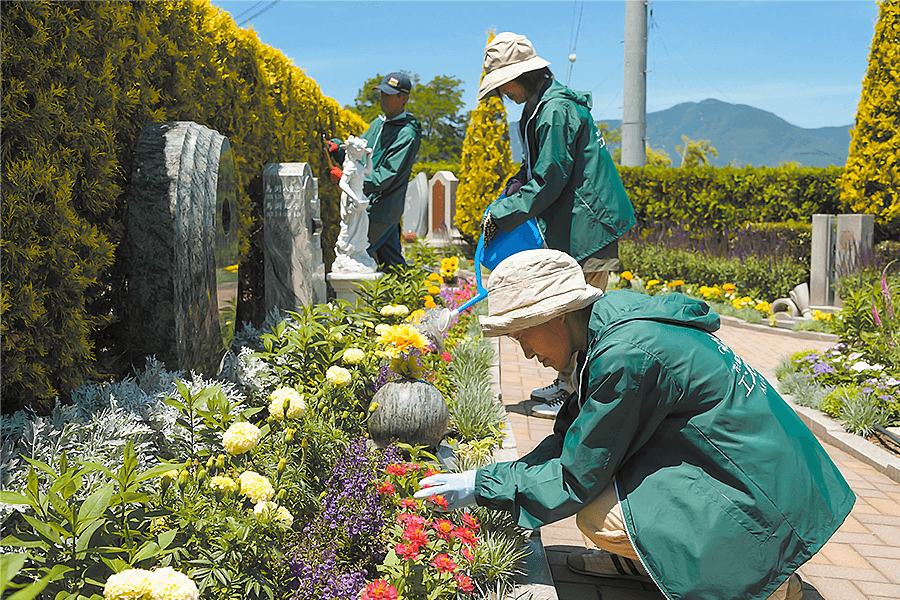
[[409, 411]]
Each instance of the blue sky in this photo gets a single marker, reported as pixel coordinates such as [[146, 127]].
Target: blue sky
[[802, 60]]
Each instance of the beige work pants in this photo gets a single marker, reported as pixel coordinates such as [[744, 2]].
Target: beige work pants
[[602, 525]]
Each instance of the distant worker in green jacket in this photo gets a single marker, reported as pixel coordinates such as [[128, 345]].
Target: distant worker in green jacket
[[681, 463], [568, 179], [395, 137]]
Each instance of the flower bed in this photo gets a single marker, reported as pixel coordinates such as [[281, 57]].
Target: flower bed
[[263, 483]]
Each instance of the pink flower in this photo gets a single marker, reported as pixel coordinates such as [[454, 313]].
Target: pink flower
[[387, 489], [409, 520], [466, 536], [439, 501], [875, 314], [467, 554], [470, 521], [445, 356], [408, 503], [379, 590], [444, 564], [464, 583], [415, 536], [444, 529], [396, 470], [407, 551]]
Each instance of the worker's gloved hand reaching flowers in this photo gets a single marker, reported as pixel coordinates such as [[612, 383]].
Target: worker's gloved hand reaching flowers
[[458, 489]]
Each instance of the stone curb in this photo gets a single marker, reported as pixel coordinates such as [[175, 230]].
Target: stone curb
[[758, 327]]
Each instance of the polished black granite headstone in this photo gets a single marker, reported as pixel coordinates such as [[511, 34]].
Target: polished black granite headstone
[[180, 246]]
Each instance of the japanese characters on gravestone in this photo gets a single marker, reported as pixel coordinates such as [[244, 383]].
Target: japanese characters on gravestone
[[442, 207], [295, 270], [181, 247]]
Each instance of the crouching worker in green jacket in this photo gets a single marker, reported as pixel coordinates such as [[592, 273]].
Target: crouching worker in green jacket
[[680, 462]]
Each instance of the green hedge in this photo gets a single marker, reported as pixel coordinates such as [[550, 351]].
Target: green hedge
[[728, 197], [80, 80]]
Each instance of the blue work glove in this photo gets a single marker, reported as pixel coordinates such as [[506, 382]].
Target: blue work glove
[[458, 489]]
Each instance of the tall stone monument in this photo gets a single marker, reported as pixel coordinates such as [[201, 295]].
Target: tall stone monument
[[181, 247], [295, 269], [839, 242], [415, 210]]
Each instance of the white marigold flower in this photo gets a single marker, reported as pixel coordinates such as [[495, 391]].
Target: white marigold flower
[[387, 311], [337, 375], [354, 356], [222, 483], [284, 515], [127, 585], [382, 329], [864, 366], [168, 584], [296, 406], [401, 310], [256, 487], [273, 511], [241, 437]]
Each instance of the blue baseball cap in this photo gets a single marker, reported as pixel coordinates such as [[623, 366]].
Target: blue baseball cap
[[395, 83]]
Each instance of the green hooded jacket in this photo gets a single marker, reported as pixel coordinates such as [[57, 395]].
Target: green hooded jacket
[[570, 181], [395, 144], [723, 489]]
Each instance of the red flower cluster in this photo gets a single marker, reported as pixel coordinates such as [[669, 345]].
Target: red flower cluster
[[379, 590]]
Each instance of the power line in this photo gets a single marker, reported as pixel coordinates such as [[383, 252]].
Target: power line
[[263, 10], [246, 10], [576, 30]]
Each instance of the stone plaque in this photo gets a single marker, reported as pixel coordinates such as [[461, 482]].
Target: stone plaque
[[180, 247], [295, 269], [442, 207]]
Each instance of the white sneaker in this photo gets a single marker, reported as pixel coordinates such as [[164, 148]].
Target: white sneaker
[[558, 390], [547, 410]]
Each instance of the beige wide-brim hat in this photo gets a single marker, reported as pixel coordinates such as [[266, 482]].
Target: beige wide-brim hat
[[532, 287], [505, 58]]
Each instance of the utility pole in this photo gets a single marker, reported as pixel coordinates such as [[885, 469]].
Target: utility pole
[[634, 106]]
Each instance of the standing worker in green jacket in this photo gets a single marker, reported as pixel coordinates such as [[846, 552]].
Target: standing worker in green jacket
[[682, 465], [394, 137], [568, 179]]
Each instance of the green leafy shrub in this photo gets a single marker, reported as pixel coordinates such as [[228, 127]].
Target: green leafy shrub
[[81, 80], [867, 319]]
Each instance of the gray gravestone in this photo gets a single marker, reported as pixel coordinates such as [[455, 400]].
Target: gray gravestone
[[415, 211], [839, 243], [295, 269], [181, 247]]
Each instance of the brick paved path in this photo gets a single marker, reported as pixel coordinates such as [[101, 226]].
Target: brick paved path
[[861, 561]]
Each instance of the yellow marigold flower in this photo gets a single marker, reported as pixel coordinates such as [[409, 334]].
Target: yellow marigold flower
[[336, 375], [676, 283], [729, 287], [256, 487], [404, 337], [241, 437], [130, 584], [168, 584], [651, 283], [222, 483], [434, 290], [435, 278], [173, 475], [353, 356], [296, 406], [429, 302], [416, 316], [763, 306], [627, 275]]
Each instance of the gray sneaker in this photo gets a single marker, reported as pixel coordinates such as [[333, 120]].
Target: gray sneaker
[[558, 390], [547, 410]]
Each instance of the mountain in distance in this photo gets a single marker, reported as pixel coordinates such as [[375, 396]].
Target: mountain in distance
[[743, 135]]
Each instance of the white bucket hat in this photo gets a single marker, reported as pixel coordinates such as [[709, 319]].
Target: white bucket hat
[[532, 287], [506, 57]]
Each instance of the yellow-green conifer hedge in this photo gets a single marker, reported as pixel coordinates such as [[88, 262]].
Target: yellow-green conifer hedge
[[79, 82], [871, 180]]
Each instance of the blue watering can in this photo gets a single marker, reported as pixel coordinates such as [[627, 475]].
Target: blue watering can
[[526, 236]]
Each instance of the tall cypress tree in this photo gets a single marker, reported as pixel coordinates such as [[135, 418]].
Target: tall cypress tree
[[486, 163], [871, 180]]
